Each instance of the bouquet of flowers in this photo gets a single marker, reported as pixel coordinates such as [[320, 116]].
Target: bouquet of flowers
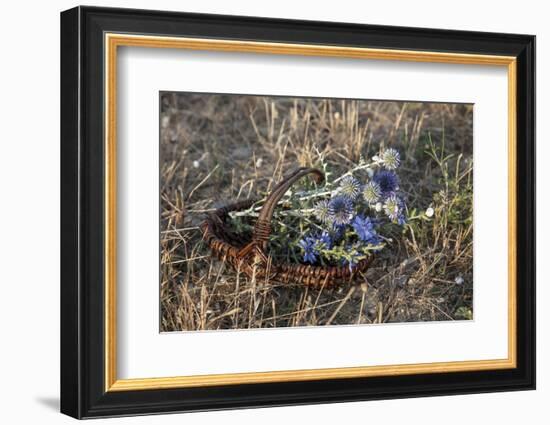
[[342, 221]]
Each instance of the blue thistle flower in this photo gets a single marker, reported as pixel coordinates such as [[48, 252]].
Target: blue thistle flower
[[340, 210], [387, 180], [308, 245], [393, 208], [324, 240], [313, 244], [372, 192], [350, 187], [375, 239], [390, 159], [321, 211], [364, 227], [337, 232], [401, 220]]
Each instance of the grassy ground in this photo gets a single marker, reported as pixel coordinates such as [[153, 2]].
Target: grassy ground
[[217, 148]]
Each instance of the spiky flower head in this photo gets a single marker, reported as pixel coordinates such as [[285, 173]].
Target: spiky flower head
[[324, 241], [387, 180], [350, 187], [308, 245], [340, 210], [321, 211], [393, 208], [313, 244], [372, 192], [390, 159], [364, 228], [337, 232]]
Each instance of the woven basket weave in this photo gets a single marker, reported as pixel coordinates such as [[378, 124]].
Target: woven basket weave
[[249, 254]]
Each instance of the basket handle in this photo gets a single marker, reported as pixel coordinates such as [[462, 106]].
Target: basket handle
[[262, 228]]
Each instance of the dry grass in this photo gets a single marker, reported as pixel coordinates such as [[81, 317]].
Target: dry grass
[[218, 148]]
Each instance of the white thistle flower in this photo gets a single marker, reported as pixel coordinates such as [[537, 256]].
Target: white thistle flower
[[372, 192], [321, 211], [391, 159], [392, 207], [349, 187]]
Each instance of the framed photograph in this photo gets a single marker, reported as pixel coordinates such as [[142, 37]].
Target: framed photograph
[[261, 212]]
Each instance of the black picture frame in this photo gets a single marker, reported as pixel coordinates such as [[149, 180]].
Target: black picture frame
[[83, 392]]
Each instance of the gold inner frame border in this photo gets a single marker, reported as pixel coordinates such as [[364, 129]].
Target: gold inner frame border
[[113, 40]]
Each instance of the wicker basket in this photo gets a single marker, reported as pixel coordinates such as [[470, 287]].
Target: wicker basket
[[249, 254]]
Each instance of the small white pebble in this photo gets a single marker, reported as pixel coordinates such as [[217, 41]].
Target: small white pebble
[[196, 164], [259, 162], [378, 206], [336, 115], [430, 212], [459, 280]]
